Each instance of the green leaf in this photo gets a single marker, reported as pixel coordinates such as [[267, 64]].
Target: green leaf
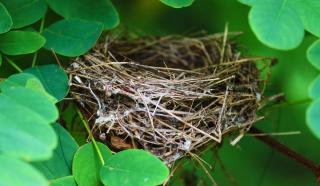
[[86, 164], [98, 10], [20, 42], [134, 168], [313, 54], [53, 78], [72, 37], [64, 181], [59, 165], [177, 3], [314, 91], [15, 172], [5, 21], [309, 12], [25, 80], [248, 2], [313, 117], [276, 24], [25, 12], [25, 115]]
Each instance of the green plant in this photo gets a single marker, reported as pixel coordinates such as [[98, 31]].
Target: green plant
[[33, 148], [280, 24]]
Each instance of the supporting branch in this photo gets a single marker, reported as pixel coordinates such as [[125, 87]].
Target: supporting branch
[[309, 164]]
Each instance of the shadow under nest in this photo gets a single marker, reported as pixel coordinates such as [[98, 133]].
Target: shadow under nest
[[169, 95]]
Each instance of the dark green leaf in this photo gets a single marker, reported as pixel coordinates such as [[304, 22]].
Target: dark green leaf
[[314, 91], [72, 37], [53, 78], [25, 12], [86, 164], [14, 172], [313, 54], [177, 3], [64, 181], [134, 168], [20, 42], [0, 59], [313, 117], [98, 10], [5, 21], [25, 115], [309, 12], [59, 165], [276, 24]]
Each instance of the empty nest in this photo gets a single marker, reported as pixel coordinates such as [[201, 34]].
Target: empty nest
[[168, 95]]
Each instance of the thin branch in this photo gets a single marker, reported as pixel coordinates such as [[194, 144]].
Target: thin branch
[[309, 164]]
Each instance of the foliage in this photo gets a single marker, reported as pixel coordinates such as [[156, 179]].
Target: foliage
[[280, 24], [33, 147]]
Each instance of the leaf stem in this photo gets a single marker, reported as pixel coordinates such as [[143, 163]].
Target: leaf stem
[[91, 136], [15, 66], [35, 56]]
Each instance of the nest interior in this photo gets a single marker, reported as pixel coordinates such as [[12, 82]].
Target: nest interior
[[168, 95]]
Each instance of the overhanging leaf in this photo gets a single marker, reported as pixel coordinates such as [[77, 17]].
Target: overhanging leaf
[[25, 12], [177, 3], [134, 168], [53, 78], [72, 37], [20, 42], [313, 117], [98, 10], [314, 91], [86, 164], [25, 115], [313, 54], [276, 24], [309, 13], [25, 80], [5, 21], [15, 172], [248, 2], [64, 181], [59, 165]]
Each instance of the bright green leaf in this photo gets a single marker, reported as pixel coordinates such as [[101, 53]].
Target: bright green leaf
[[14, 172], [72, 37], [53, 78], [314, 91], [26, 115], [25, 80], [25, 12], [276, 24], [98, 10], [86, 164], [59, 165], [177, 3], [313, 117], [20, 42], [313, 54], [64, 181], [248, 2], [134, 168], [5, 21], [309, 12]]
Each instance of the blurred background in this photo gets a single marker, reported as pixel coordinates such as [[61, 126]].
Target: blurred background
[[250, 162]]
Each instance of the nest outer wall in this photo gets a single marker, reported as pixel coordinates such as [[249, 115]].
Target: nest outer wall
[[169, 95]]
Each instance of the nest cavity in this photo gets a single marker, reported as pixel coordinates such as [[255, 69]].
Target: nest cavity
[[168, 95]]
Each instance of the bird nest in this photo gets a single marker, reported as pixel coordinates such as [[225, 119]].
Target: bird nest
[[168, 95]]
